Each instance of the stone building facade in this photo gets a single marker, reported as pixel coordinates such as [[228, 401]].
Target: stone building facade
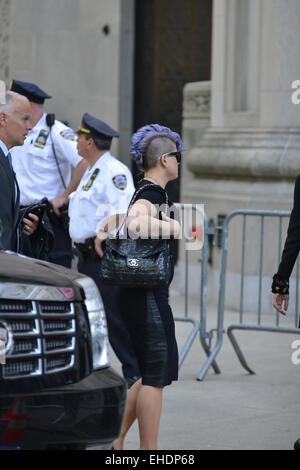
[[249, 155], [79, 51], [241, 128]]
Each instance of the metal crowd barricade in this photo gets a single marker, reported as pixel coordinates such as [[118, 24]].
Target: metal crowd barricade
[[198, 326], [258, 325]]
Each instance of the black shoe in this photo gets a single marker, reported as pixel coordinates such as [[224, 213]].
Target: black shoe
[[297, 445]]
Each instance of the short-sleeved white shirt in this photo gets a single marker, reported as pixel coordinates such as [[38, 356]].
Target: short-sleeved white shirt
[[105, 189], [35, 165]]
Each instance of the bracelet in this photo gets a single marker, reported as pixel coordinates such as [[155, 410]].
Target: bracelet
[[280, 285]]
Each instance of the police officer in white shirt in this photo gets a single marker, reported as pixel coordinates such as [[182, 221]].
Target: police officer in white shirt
[[105, 189], [43, 167]]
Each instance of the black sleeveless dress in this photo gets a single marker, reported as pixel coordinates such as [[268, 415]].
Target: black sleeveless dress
[[149, 319]]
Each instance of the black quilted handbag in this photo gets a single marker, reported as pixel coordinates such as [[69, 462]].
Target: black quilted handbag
[[137, 263]]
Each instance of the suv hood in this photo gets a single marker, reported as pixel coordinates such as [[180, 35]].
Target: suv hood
[[20, 269]]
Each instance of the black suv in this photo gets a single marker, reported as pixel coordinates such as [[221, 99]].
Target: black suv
[[57, 390]]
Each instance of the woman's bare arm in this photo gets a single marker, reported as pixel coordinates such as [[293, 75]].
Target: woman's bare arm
[[142, 222]]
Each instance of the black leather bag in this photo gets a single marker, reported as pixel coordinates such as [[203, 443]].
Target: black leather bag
[[137, 263], [40, 243]]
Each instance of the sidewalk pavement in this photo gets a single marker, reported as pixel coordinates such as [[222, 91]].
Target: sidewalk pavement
[[233, 410]]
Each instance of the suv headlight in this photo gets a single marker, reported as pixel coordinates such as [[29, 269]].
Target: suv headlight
[[98, 325]]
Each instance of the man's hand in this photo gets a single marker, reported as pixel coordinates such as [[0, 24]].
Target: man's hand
[[281, 303], [58, 202], [98, 243], [31, 224]]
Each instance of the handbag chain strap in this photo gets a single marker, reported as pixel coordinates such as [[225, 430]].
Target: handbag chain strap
[[133, 200]]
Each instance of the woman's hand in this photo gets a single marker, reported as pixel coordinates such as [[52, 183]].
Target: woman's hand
[[174, 225], [281, 303]]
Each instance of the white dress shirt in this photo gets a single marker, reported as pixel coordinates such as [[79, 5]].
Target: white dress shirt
[[4, 148]]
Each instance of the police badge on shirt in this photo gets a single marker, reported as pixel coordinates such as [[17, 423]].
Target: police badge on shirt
[[69, 134], [120, 182], [41, 139]]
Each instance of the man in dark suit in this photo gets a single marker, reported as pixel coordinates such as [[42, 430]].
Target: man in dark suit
[[280, 286], [14, 126]]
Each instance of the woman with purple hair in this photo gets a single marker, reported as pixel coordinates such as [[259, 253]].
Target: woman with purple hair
[[157, 152]]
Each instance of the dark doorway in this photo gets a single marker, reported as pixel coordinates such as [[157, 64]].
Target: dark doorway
[[173, 47]]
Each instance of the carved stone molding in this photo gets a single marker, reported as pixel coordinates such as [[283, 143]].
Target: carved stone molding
[[268, 154], [4, 38], [196, 100]]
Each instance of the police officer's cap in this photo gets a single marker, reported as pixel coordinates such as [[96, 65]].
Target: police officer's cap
[[96, 127], [30, 90]]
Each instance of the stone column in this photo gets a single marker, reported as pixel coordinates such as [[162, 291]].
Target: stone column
[[249, 156], [80, 52], [196, 118], [4, 39]]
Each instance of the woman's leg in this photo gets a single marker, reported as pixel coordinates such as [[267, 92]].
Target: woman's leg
[[130, 413], [148, 411]]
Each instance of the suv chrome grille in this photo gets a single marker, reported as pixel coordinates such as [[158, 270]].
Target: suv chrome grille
[[59, 363], [52, 345], [58, 326], [23, 368], [12, 306], [27, 346], [56, 308], [44, 337], [22, 326]]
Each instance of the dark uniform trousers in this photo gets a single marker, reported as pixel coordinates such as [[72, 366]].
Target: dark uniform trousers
[[61, 252], [89, 264]]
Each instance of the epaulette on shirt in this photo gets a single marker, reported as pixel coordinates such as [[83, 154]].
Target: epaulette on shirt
[[90, 182]]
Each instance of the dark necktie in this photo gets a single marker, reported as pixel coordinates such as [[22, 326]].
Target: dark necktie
[[14, 175], [9, 161]]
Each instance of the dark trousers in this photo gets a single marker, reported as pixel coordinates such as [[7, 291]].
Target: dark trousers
[[61, 252], [117, 330]]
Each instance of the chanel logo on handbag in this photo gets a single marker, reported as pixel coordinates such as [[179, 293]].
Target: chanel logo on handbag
[[133, 263]]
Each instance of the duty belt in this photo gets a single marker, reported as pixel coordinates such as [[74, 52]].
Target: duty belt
[[87, 248]]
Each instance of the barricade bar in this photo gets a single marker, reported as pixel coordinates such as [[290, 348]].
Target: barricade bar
[[258, 326], [199, 326]]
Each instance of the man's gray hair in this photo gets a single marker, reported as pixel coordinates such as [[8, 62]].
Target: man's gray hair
[[9, 103]]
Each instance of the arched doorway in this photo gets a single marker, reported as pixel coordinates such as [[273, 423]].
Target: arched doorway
[[172, 48]]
